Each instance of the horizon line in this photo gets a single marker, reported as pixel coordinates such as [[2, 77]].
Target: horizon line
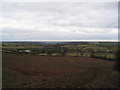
[[60, 40]]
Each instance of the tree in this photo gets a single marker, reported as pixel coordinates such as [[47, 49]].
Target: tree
[[49, 52], [117, 64], [77, 51], [82, 51], [92, 55], [63, 51]]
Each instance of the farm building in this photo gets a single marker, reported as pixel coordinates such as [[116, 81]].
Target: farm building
[[24, 51]]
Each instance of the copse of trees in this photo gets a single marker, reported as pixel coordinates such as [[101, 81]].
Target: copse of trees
[[63, 51], [49, 52], [52, 50]]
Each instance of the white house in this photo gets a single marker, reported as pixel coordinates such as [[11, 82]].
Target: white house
[[27, 51]]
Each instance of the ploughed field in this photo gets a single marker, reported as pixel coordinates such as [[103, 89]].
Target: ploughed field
[[28, 71]]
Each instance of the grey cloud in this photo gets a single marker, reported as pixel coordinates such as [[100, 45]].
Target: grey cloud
[[66, 20]]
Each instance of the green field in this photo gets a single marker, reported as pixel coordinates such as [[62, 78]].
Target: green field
[[101, 50]]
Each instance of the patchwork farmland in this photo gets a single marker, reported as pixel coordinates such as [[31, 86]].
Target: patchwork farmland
[[27, 70]]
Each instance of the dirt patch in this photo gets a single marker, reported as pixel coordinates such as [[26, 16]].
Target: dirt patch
[[51, 72]]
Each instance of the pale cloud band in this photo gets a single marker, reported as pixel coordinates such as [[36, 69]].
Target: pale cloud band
[[60, 21]]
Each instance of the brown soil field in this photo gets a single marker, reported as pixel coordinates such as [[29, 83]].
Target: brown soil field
[[27, 71]]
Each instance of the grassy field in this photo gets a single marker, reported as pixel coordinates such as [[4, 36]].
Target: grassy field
[[101, 50], [31, 71]]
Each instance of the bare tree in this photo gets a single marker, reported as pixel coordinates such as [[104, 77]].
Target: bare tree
[[63, 51]]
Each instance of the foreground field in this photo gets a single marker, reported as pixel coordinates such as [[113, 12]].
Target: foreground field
[[51, 72]]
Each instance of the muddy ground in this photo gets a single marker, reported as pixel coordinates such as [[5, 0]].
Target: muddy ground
[[27, 71]]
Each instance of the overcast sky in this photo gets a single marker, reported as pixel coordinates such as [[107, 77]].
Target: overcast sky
[[59, 21]]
